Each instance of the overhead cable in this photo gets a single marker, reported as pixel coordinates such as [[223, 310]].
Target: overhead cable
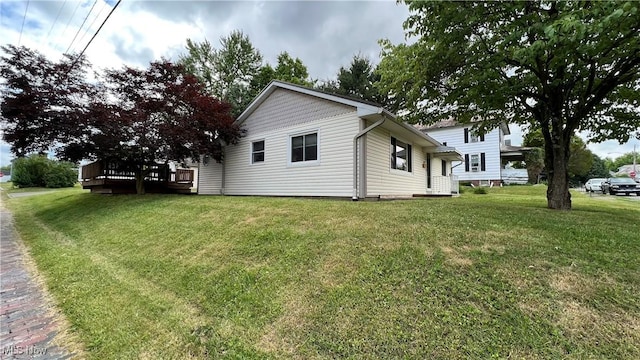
[[23, 20], [81, 25]]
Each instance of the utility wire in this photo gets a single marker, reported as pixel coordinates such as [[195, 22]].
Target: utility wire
[[23, 20], [93, 37], [56, 20], [71, 18], [80, 28], [86, 31]]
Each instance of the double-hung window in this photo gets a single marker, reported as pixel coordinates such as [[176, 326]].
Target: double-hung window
[[304, 148], [257, 151], [475, 162], [400, 155]]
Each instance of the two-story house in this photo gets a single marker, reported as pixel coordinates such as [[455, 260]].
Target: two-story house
[[484, 155]]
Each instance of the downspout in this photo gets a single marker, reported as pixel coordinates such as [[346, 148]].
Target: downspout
[[355, 155], [223, 144]]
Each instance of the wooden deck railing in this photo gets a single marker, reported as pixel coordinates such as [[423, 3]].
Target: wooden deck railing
[[101, 169]]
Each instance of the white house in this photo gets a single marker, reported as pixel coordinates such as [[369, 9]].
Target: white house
[[304, 142], [485, 156]]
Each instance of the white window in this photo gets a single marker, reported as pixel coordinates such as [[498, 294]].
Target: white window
[[304, 148], [400, 155], [475, 162], [257, 151], [474, 138]]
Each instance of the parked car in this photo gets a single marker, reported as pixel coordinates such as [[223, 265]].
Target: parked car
[[594, 184], [620, 186]]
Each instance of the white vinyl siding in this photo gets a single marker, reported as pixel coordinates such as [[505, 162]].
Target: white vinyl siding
[[384, 181], [331, 177], [209, 178], [454, 136], [285, 109]]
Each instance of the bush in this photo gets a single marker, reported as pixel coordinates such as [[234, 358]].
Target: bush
[[61, 174], [480, 190], [39, 171]]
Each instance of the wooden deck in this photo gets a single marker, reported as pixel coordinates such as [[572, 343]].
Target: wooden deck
[[106, 177]]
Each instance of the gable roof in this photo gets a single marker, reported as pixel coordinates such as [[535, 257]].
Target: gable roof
[[365, 109]]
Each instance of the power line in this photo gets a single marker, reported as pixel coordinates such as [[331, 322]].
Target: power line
[[81, 25], [104, 4], [71, 18], [56, 20], [93, 37], [23, 20]]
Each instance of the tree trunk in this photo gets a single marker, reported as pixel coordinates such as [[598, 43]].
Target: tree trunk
[[140, 183], [556, 160]]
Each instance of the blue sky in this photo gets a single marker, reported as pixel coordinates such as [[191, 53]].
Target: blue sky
[[323, 34]]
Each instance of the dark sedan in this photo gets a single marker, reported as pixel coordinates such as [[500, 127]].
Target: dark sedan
[[625, 186]]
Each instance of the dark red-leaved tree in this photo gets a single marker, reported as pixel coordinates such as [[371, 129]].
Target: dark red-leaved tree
[[40, 99], [134, 117]]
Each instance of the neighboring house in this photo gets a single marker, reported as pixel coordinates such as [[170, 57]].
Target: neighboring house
[[304, 142], [485, 156]]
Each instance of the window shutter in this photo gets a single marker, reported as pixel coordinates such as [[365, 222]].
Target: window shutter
[[481, 137], [482, 164], [466, 135], [466, 162], [444, 168]]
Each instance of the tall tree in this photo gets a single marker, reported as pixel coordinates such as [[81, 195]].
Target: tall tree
[[291, 70], [288, 69], [226, 72], [136, 117], [357, 81], [37, 94], [562, 67]]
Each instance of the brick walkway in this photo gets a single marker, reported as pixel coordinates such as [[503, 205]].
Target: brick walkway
[[27, 329]]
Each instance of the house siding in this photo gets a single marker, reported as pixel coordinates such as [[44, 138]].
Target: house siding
[[332, 176], [209, 178], [285, 109], [454, 136], [384, 181]]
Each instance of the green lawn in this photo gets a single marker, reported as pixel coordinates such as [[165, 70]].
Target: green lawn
[[479, 276]]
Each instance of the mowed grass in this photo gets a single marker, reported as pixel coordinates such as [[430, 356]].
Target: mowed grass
[[479, 276]]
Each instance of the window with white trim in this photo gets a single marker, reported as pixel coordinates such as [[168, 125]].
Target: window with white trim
[[400, 155], [257, 151], [475, 162], [304, 148]]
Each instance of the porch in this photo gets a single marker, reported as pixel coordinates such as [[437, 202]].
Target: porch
[[108, 177], [442, 186]]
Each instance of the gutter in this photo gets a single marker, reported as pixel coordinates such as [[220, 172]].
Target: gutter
[[355, 153]]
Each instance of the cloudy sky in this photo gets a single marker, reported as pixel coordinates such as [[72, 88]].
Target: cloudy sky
[[323, 34]]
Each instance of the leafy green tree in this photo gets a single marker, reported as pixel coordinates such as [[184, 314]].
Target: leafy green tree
[[598, 169], [625, 159], [291, 70], [562, 67], [39, 171], [359, 80], [227, 72], [288, 69]]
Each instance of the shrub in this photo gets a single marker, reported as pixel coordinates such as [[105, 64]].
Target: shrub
[[480, 190], [30, 171], [61, 174], [39, 171]]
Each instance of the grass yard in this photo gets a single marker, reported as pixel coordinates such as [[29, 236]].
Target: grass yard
[[479, 276]]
